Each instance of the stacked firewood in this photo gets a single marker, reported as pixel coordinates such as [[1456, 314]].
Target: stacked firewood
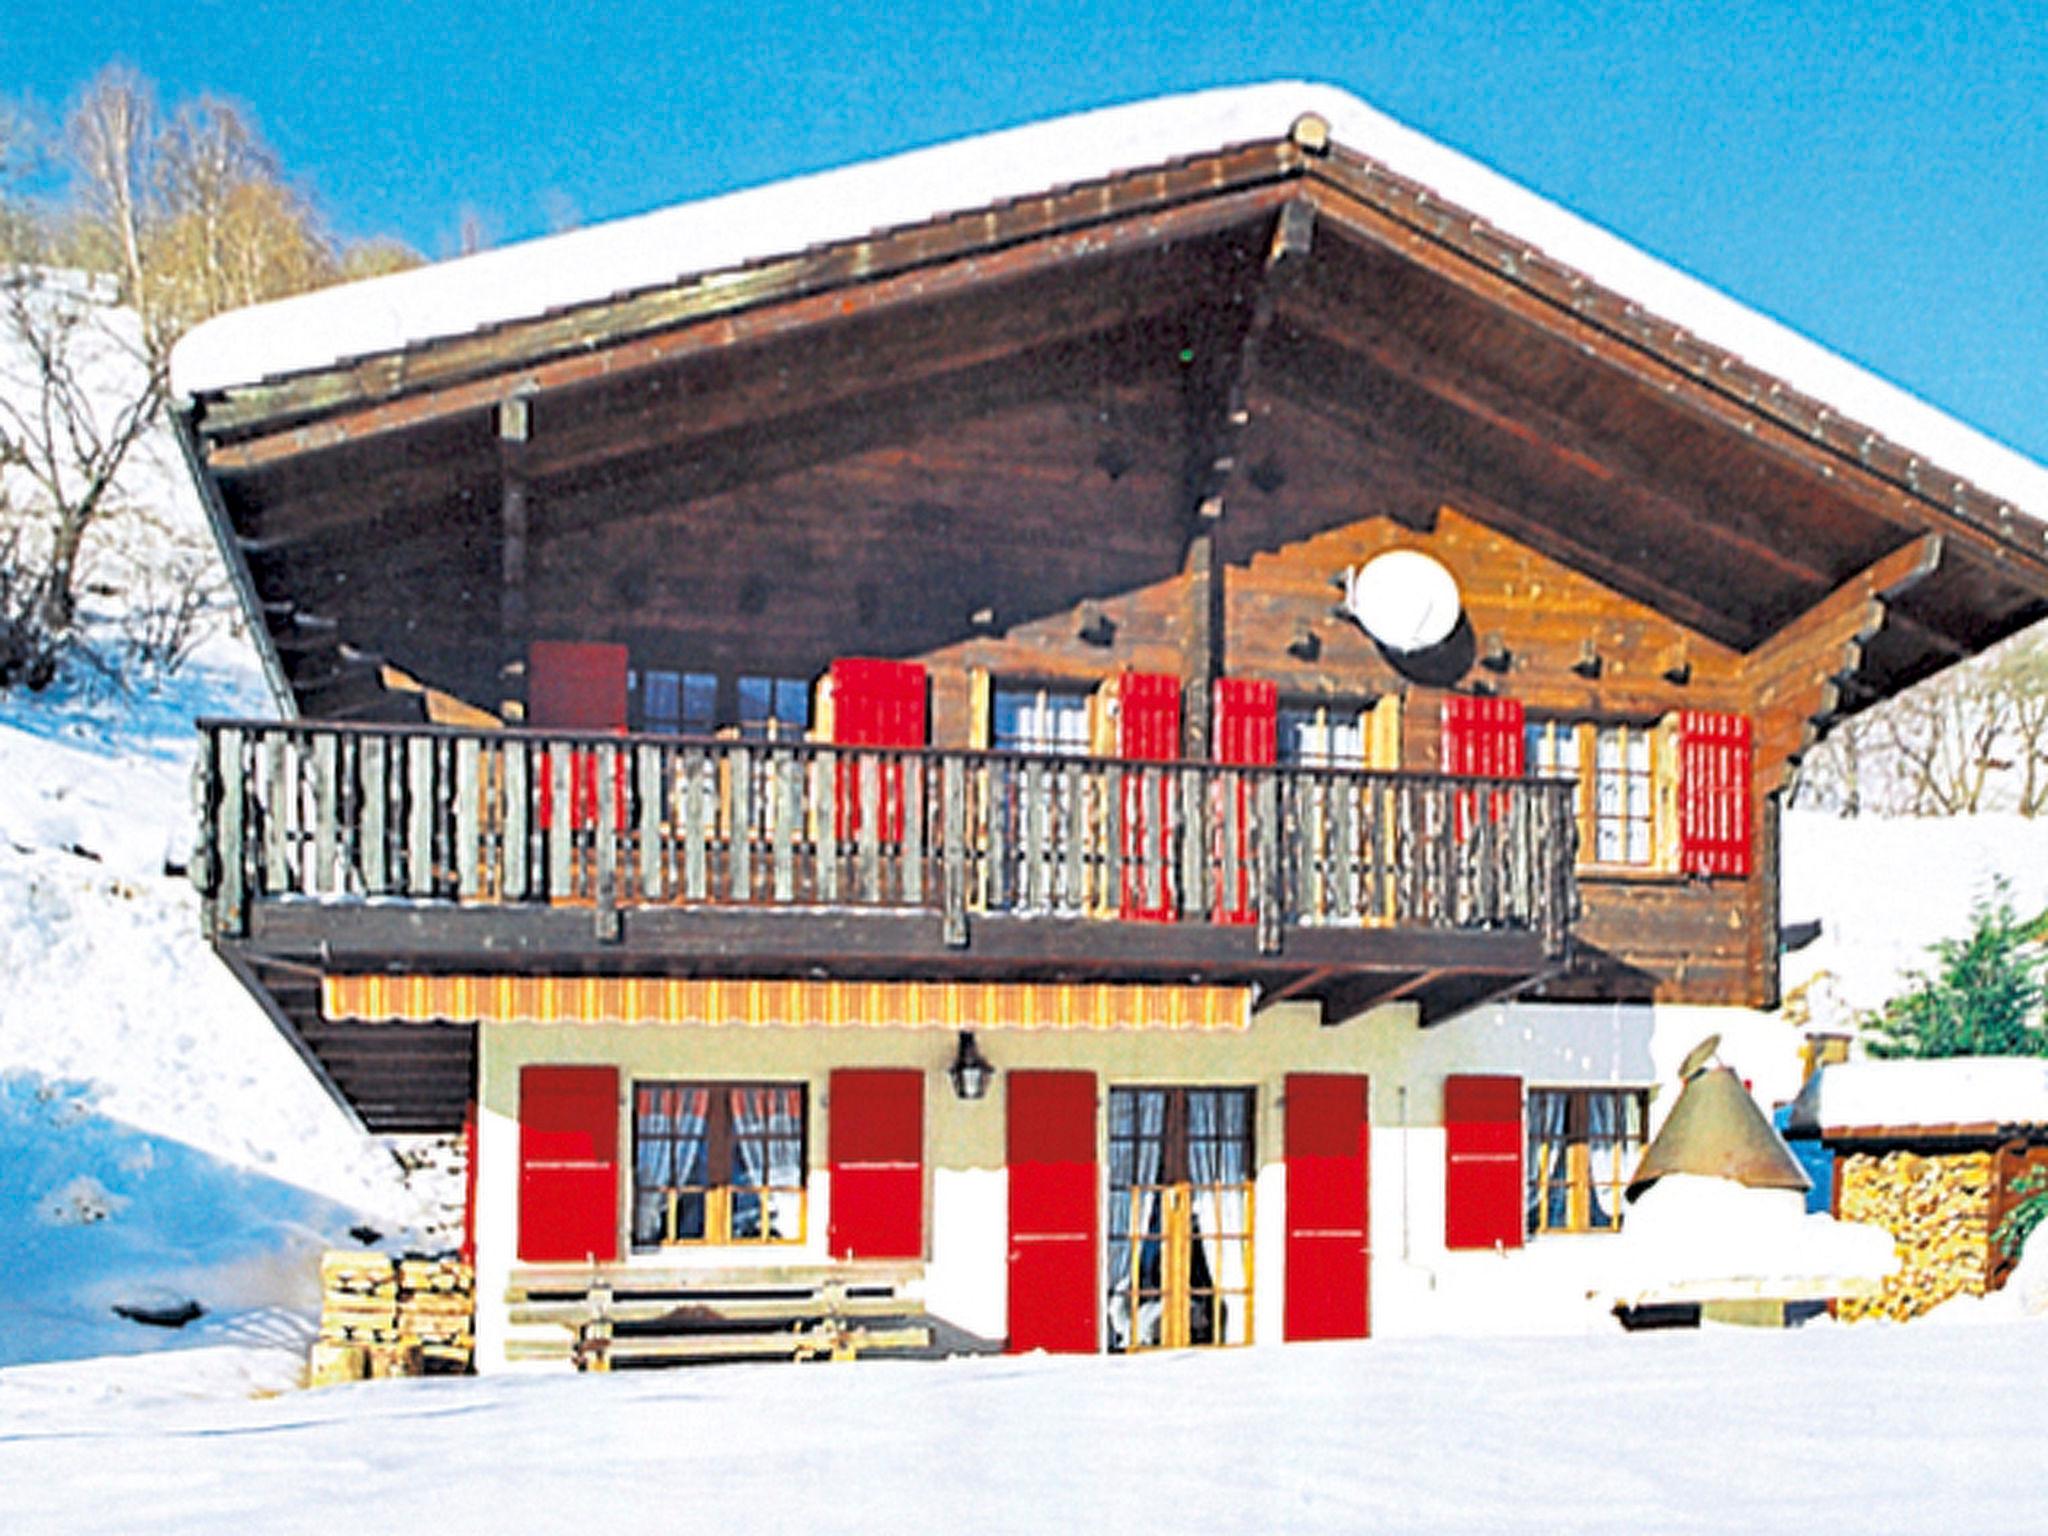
[[383, 1317], [436, 1305], [1939, 1210]]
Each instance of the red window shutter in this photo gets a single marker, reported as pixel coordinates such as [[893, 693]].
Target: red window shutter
[[876, 1149], [568, 1164], [1483, 738], [576, 686], [1329, 1247], [1715, 817], [876, 704], [1246, 726], [1050, 1138], [1148, 730], [1483, 1162]]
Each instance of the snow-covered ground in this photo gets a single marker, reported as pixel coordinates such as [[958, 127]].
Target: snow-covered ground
[[1872, 1428], [160, 1143]]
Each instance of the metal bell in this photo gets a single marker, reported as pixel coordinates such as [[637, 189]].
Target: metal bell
[[1717, 1129]]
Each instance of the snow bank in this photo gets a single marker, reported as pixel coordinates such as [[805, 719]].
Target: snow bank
[[1900, 1430], [1962, 1090], [719, 233], [1700, 1237]]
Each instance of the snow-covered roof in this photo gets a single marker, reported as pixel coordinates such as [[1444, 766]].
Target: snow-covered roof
[[655, 249], [1925, 1095]]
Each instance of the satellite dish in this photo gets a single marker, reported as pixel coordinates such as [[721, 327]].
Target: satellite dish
[[1403, 599]]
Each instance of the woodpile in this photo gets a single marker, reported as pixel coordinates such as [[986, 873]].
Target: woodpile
[[1939, 1209], [381, 1317]]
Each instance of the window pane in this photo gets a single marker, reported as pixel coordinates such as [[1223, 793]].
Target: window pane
[[1035, 719], [661, 700], [700, 703]]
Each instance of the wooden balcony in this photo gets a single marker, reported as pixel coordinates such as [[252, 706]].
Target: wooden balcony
[[365, 848]]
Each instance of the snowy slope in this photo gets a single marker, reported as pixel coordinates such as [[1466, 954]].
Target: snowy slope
[[1870, 1428], [159, 1140]]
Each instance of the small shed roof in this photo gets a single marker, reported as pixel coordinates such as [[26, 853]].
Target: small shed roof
[[1957, 1097]]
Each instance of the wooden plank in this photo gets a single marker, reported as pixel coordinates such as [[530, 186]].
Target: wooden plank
[[1073, 792], [869, 769], [1267, 832], [518, 821], [529, 1280], [326, 812], [231, 915], [692, 1311], [741, 841], [648, 759], [1344, 841], [953, 822], [1036, 876], [914, 769], [995, 808], [559, 831], [784, 808], [277, 799], [376, 848], [1197, 827], [419, 831], [824, 814], [696, 792], [468, 816], [605, 837]]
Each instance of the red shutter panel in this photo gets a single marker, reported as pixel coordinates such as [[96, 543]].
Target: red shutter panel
[[876, 1149], [1483, 1192], [1246, 720], [568, 1164], [1483, 738], [1329, 1247], [1050, 1139], [576, 686], [1714, 793], [875, 704], [1148, 731], [469, 1182]]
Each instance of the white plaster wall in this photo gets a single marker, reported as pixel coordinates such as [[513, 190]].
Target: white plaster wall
[[1418, 1287], [1421, 1287]]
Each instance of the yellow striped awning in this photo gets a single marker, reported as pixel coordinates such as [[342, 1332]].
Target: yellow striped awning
[[948, 1005]]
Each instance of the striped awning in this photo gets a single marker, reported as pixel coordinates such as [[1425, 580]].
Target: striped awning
[[789, 1004]]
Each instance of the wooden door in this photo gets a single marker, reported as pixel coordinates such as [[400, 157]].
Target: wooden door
[[1329, 1249], [1052, 1173]]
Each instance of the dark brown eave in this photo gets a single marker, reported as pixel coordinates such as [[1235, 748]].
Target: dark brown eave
[[575, 344]]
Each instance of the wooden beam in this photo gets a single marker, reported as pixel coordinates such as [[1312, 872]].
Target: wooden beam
[[1826, 449], [1796, 675], [515, 431], [734, 315]]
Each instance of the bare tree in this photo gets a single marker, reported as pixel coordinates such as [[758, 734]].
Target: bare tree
[[76, 397], [110, 138]]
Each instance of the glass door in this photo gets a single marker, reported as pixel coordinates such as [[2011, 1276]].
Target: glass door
[[1180, 1218]]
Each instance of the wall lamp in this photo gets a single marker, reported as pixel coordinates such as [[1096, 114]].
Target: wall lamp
[[971, 1071]]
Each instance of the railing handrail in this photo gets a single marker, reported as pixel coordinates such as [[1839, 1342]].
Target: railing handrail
[[209, 724]]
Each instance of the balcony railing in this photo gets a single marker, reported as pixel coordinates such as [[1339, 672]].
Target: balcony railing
[[356, 814]]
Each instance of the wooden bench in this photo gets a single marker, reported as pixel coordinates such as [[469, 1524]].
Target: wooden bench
[[614, 1313]]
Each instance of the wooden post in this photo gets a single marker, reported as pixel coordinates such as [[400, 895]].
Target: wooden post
[[230, 906], [1272, 897], [696, 822], [953, 819], [560, 835], [515, 429], [913, 830], [419, 832], [326, 806], [376, 846], [518, 821], [468, 817], [606, 838], [825, 815], [648, 780]]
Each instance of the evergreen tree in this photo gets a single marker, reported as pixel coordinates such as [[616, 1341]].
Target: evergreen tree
[[1983, 999]]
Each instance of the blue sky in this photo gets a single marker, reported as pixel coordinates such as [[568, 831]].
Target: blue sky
[[1874, 172]]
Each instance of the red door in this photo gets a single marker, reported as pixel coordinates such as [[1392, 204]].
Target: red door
[[876, 1147], [1329, 1248], [1148, 731], [875, 704], [1247, 730], [568, 1164], [1053, 1201]]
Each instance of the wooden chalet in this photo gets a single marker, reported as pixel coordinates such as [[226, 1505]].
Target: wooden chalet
[[851, 748]]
